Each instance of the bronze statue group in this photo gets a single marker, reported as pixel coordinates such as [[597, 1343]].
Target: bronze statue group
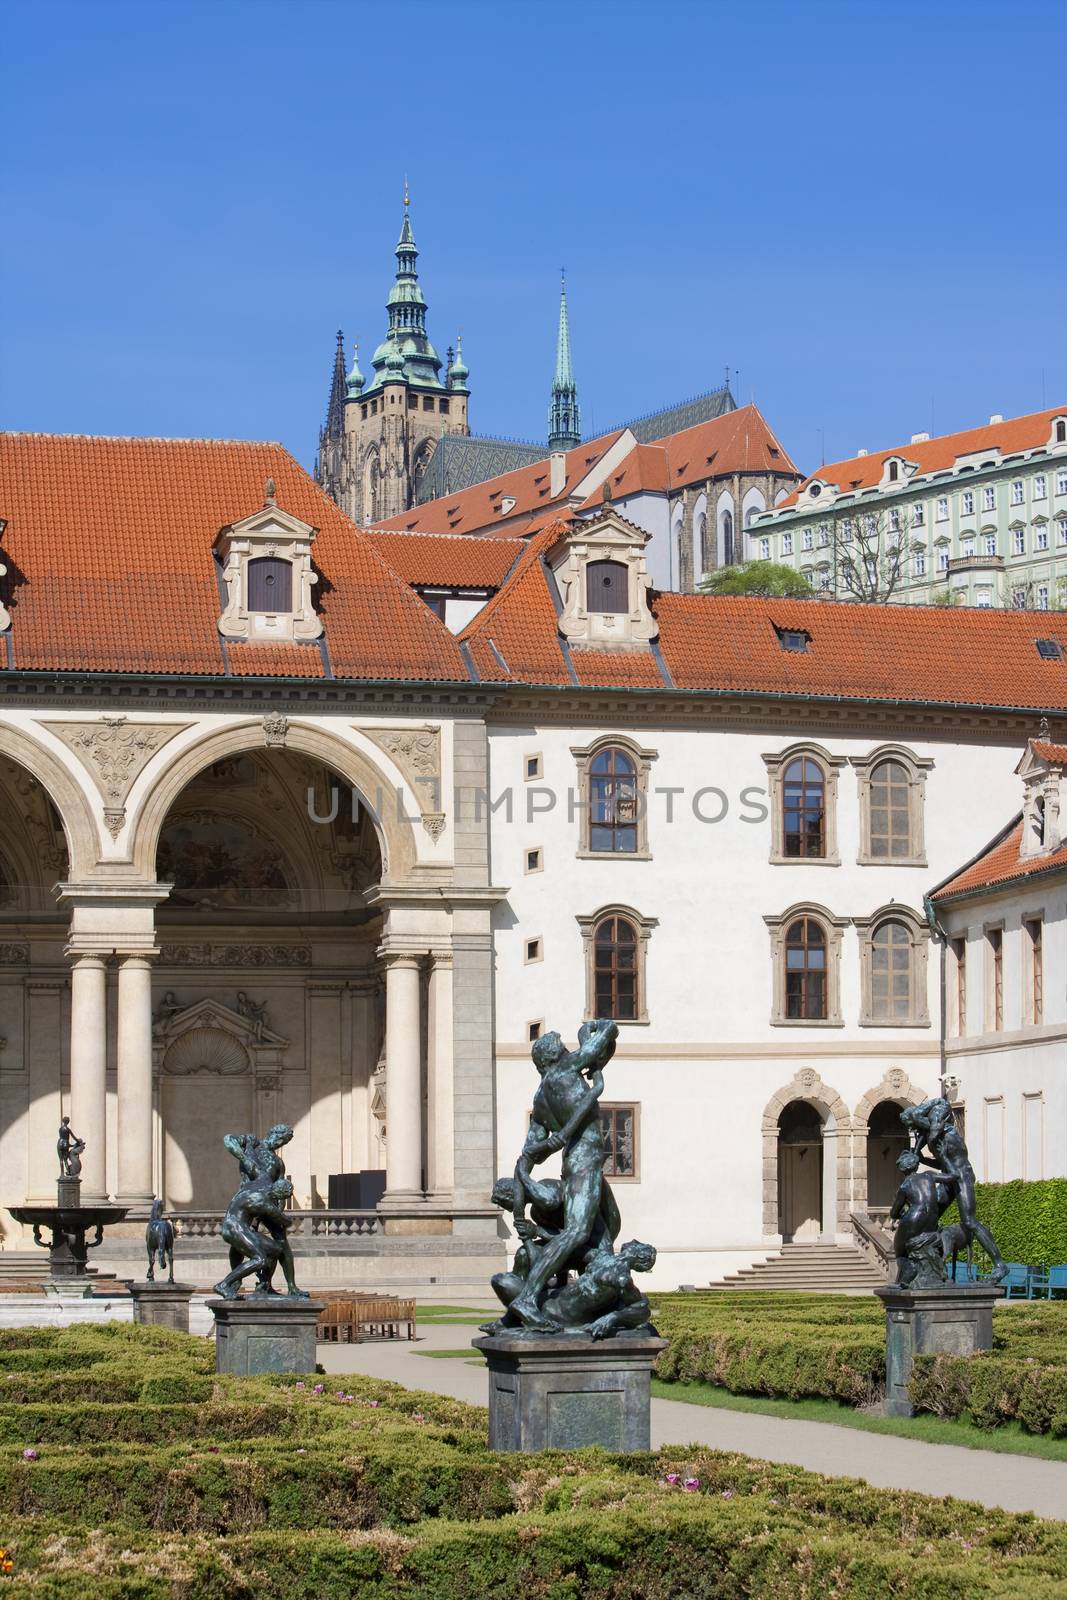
[[923, 1247]]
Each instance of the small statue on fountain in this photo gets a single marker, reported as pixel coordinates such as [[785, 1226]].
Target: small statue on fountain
[[69, 1149], [159, 1240]]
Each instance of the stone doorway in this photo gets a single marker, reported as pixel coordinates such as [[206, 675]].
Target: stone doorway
[[800, 1172], [886, 1140]]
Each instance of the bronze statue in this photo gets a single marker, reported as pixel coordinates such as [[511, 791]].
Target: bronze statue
[[159, 1240], [69, 1149], [920, 1203], [255, 1225], [938, 1141], [574, 1220]]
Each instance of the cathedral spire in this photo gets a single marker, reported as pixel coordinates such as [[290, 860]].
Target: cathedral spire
[[564, 420], [335, 409]]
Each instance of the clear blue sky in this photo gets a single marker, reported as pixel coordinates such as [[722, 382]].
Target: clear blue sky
[[859, 205]]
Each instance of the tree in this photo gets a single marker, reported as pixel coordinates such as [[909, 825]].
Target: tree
[[869, 552], [771, 578]]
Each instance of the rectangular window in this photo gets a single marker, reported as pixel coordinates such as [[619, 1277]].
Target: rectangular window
[[808, 538], [995, 941], [1017, 492], [894, 520], [532, 767], [1061, 483], [967, 546], [1018, 599], [959, 957], [824, 536], [1018, 541], [765, 549], [619, 1126], [534, 1030], [1035, 969], [444, 408], [787, 544], [919, 563], [535, 860], [942, 558], [846, 531], [989, 544], [1041, 536], [942, 508], [534, 951], [1040, 486], [918, 516], [967, 503], [984, 598], [1042, 597], [989, 497], [1061, 531]]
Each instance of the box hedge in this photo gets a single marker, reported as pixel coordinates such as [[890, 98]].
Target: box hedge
[[1027, 1219]]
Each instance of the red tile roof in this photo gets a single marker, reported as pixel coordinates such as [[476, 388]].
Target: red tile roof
[[108, 546], [448, 560], [1054, 754], [1000, 864], [937, 455]]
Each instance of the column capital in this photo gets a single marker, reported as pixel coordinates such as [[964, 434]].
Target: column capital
[[86, 958], [392, 955], [136, 958]]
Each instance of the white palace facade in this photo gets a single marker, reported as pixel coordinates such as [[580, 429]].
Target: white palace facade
[[283, 838]]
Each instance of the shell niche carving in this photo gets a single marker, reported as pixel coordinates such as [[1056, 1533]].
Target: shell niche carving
[[206, 1050]]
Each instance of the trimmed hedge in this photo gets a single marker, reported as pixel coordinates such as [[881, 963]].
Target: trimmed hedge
[[800, 1346], [281, 1488], [1028, 1220]]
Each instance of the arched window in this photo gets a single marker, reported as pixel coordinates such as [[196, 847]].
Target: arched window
[[805, 971], [270, 584], [891, 975], [890, 811], [803, 809], [894, 471], [727, 539], [701, 542], [1061, 431], [615, 985], [607, 586], [613, 801]]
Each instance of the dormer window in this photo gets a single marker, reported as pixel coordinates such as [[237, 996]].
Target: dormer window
[[267, 572], [1059, 431], [606, 583], [599, 568], [894, 471]]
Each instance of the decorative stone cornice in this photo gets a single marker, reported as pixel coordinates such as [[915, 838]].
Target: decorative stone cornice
[[115, 751]]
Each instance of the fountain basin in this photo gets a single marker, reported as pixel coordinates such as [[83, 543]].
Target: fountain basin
[[68, 1247]]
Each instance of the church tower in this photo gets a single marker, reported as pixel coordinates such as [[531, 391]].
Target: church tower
[[381, 432], [564, 419]]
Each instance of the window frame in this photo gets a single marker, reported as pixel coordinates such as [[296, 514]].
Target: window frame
[[1033, 966], [833, 931], [776, 763], [584, 756], [958, 947], [916, 768], [643, 927], [918, 946], [634, 1108], [994, 977]]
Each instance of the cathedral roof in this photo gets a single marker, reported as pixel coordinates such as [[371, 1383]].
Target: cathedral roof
[[108, 546]]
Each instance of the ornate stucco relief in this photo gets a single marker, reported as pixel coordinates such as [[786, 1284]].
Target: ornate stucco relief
[[417, 753], [115, 751]]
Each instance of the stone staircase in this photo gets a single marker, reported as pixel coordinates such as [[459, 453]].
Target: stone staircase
[[811, 1268]]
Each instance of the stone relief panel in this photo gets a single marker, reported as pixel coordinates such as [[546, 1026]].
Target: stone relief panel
[[235, 955], [115, 751], [417, 752]]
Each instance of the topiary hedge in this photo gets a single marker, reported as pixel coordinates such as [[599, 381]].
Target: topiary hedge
[[1028, 1220]]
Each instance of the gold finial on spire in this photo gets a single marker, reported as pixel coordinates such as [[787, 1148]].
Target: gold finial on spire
[[407, 192]]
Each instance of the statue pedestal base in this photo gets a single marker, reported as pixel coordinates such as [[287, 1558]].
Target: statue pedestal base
[[265, 1333], [956, 1319], [560, 1393], [164, 1305]]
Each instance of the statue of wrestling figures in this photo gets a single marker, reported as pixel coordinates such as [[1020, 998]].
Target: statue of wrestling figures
[[255, 1225]]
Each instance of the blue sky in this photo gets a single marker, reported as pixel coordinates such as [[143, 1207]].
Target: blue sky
[[858, 206]]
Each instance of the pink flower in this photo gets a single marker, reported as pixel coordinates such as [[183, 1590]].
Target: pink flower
[[727, 1494], [691, 1484], [417, 1416], [372, 1402], [673, 1477], [29, 1455], [319, 1388], [301, 1386]]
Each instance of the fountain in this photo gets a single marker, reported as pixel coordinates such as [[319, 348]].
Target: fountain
[[69, 1221]]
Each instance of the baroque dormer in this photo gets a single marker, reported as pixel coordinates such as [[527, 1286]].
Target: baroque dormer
[[267, 572], [819, 492], [603, 583], [1041, 770]]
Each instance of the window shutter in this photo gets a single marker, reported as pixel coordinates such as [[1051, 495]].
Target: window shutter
[[270, 584]]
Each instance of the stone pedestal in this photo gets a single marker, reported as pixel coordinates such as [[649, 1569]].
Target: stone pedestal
[[561, 1393], [956, 1319], [163, 1305], [268, 1333], [68, 1192]]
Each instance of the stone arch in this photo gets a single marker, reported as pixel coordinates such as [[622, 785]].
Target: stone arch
[[396, 838], [809, 1087], [66, 794], [895, 1086]]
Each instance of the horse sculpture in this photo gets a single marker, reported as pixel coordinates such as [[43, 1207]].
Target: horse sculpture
[[159, 1238]]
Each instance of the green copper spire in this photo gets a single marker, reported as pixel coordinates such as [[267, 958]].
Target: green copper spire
[[354, 381], [564, 418], [406, 351]]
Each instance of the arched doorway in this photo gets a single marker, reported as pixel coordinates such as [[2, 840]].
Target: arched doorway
[[266, 994], [800, 1171], [886, 1140]]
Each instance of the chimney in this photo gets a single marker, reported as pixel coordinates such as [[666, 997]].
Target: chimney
[[919, 438], [861, 452], [557, 468], [995, 418]]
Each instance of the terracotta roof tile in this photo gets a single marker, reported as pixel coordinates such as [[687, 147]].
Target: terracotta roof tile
[[617, 669], [275, 660], [109, 549], [451, 560], [937, 455], [999, 864], [1055, 754]]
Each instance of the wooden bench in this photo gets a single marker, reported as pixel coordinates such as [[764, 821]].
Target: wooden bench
[[349, 1313]]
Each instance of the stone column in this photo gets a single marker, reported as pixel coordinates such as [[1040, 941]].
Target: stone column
[[88, 1069], [403, 1080], [440, 1155], [135, 1082], [44, 1054]]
